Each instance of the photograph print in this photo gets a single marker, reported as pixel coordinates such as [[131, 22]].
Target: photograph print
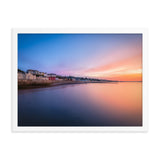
[[79, 80]]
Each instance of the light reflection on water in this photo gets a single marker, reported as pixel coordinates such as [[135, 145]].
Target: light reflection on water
[[92, 104]]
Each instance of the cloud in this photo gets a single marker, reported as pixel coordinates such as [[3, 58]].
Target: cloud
[[122, 68]]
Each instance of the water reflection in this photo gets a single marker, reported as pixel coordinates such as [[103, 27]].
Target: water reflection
[[94, 104]]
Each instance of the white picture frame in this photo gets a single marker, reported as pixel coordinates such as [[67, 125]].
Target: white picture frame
[[16, 128]]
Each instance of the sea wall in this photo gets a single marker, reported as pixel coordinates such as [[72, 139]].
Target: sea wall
[[37, 82]]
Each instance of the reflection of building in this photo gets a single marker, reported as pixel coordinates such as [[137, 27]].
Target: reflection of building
[[52, 76]]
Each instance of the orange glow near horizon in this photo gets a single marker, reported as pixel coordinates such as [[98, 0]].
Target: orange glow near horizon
[[127, 77], [125, 69]]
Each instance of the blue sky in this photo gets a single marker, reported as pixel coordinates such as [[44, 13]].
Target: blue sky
[[67, 54]]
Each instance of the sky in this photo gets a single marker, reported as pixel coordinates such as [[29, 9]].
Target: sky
[[103, 56]]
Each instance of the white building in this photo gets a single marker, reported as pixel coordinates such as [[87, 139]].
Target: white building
[[73, 79], [45, 74], [34, 72], [42, 78], [21, 75], [30, 76], [57, 79]]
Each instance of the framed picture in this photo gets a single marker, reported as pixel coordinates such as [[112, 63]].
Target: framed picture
[[79, 80]]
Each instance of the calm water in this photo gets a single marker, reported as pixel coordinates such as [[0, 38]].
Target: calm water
[[94, 104]]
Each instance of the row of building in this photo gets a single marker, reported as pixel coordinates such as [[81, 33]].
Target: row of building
[[34, 74]]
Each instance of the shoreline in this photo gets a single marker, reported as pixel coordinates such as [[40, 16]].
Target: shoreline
[[45, 84], [54, 84]]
